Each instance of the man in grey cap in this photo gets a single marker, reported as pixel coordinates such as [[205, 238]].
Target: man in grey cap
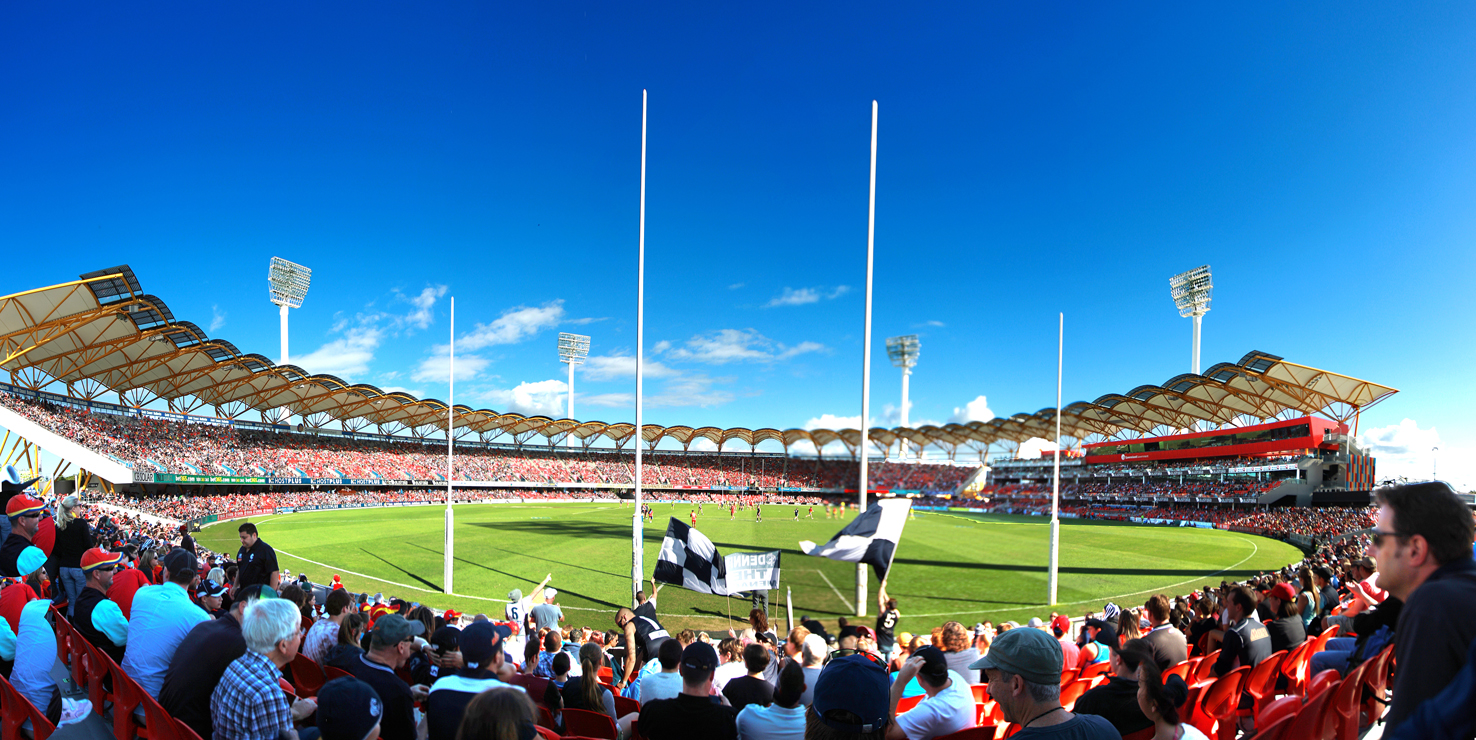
[[391, 644], [1023, 671]]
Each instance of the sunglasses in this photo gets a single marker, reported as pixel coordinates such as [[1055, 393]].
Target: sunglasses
[[34, 515], [1378, 537], [106, 569]]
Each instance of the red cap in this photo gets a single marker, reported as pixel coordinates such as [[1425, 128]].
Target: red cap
[[97, 557], [451, 614], [1284, 592], [1062, 623], [22, 504]]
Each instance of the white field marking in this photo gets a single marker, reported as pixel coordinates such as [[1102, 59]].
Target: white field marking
[[1254, 549], [849, 606]]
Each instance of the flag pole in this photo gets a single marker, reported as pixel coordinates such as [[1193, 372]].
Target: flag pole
[[1054, 579], [866, 358], [450, 435], [637, 567]]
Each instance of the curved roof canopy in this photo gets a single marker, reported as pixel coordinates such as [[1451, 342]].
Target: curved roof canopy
[[102, 331]]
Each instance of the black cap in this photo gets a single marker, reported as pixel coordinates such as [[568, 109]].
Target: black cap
[[698, 660], [446, 640], [348, 709], [480, 642], [180, 560], [935, 665]]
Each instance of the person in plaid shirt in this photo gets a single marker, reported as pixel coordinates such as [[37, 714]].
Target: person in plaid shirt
[[248, 703]]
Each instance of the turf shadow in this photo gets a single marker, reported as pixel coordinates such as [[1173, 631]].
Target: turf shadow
[[515, 576], [428, 584]]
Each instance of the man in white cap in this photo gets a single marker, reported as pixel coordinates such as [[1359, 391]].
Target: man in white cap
[[547, 615]]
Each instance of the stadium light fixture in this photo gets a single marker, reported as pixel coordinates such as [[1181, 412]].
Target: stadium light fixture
[[573, 348], [287, 284], [1191, 293], [903, 353]]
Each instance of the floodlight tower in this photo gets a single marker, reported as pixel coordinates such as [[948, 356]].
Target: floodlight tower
[[1191, 293], [288, 285], [903, 352], [573, 348]]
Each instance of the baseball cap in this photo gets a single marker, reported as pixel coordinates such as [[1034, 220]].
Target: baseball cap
[[550, 594], [446, 639], [866, 632], [859, 686], [1035, 623], [515, 594], [254, 591], [210, 588], [1062, 623], [451, 615], [180, 560], [698, 659], [391, 629], [480, 642], [30, 560], [22, 504], [100, 558], [1367, 563], [1031, 654], [980, 629], [1284, 592], [935, 665], [348, 709]]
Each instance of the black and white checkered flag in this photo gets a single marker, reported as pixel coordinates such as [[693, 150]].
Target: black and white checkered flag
[[690, 560], [870, 538]]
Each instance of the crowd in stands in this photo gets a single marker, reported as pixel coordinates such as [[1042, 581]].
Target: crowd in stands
[[234, 647], [190, 448], [1129, 488]]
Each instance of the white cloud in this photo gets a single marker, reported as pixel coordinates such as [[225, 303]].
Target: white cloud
[[735, 286], [933, 322], [540, 398], [605, 400], [831, 421], [422, 316], [689, 390], [802, 296], [1404, 450], [217, 318], [739, 345], [582, 322], [975, 410], [435, 368], [514, 325], [609, 367], [1034, 447], [346, 356]]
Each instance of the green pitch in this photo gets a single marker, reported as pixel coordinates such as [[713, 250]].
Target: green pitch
[[948, 566]]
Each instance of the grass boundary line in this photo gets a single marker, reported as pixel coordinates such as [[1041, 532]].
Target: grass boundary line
[[849, 606]]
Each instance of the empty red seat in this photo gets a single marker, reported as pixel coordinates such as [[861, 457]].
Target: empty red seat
[[1073, 691], [1218, 706], [1346, 703], [1274, 711], [307, 677], [589, 724]]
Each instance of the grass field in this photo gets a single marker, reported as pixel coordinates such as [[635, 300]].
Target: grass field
[[968, 567]]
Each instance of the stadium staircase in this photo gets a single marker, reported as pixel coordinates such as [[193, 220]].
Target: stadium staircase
[[1299, 489], [100, 465]]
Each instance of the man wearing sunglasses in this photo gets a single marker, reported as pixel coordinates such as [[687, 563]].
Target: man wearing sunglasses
[[1423, 548], [95, 616], [24, 514]]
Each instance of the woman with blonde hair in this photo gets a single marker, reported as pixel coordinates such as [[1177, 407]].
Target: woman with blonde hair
[[959, 650], [73, 538]]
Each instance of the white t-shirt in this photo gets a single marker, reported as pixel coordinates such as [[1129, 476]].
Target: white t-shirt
[[757, 722], [951, 710], [727, 672], [1190, 732], [517, 613], [660, 686]]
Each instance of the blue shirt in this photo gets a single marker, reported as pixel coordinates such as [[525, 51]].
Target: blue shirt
[[162, 616]]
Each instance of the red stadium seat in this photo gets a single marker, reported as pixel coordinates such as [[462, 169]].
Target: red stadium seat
[[1096, 669], [1204, 672], [1261, 683], [981, 692], [1069, 675], [1218, 706], [1346, 703], [185, 732], [1182, 669], [1275, 711], [307, 677], [546, 718], [589, 724], [1073, 691], [546, 733], [1312, 720], [625, 705], [330, 673], [15, 711], [907, 703], [1277, 730], [1295, 666], [1322, 682]]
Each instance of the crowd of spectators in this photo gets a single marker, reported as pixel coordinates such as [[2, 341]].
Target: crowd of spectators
[[197, 448]]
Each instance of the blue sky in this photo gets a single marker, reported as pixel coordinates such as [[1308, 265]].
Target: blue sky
[[1032, 160]]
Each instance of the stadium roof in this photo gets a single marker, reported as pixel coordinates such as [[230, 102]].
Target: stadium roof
[[103, 333]]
